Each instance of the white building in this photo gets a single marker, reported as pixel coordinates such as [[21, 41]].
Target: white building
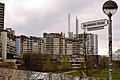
[[40, 45], [7, 48], [54, 43], [68, 46], [29, 44], [91, 43]]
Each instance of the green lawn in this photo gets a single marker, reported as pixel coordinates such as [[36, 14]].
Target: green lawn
[[76, 73], [105, 74], [116, 71], [100, 74]]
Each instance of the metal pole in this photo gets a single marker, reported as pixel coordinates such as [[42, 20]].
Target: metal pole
[[85, 48], [110, 47]]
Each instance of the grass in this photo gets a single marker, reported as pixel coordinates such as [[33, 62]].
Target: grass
[[116, 71], [105, 74], [100, 74], [76, 73]]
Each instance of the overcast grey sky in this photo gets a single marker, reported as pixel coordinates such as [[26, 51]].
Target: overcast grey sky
[[34, 17]]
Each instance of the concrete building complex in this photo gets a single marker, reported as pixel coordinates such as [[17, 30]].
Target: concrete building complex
[[51, 43], [56, 43]]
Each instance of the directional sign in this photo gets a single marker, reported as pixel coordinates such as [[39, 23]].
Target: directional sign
[[95, 28], [97, 24]]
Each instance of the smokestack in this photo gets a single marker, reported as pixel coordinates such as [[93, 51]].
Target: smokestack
[[68, 25], [76, 26]]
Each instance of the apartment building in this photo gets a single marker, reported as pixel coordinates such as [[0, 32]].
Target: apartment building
[[91, 43], [40, 45], [69, 46], [11, 46], [76, 46], [2, 5], [29, 44], [54, 43], [7, 47]]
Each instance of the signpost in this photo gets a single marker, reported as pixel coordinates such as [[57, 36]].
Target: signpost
[[94, 25], [91, 26]]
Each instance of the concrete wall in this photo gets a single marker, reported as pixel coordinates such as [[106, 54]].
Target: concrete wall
[[4, 44]]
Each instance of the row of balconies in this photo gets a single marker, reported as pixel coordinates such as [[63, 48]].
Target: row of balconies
[[1, 10], [1, 20], [2, 4]]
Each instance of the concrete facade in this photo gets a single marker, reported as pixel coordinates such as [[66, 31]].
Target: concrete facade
[[29, 44], [8, 46], [54, 43], [4, 44]]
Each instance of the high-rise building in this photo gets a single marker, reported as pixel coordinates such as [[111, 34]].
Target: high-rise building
[[68, 46], [91, 43], [29, 44], [54, 43], [2, 16]]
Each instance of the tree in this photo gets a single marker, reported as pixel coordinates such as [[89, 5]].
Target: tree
[[115, 64], [82, 64], [10, 65], [31, 61], [89, 64], [104, 62], [65, 64], [116, 59], [40, 62], [26, 59], [48, 65]]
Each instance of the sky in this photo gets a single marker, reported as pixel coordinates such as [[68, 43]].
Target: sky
[[35, 17]]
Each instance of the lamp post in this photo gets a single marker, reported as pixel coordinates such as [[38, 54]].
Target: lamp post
[[110, 8], [84, 44]]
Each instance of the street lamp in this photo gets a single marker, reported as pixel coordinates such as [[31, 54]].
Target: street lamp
[[110, 8]]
